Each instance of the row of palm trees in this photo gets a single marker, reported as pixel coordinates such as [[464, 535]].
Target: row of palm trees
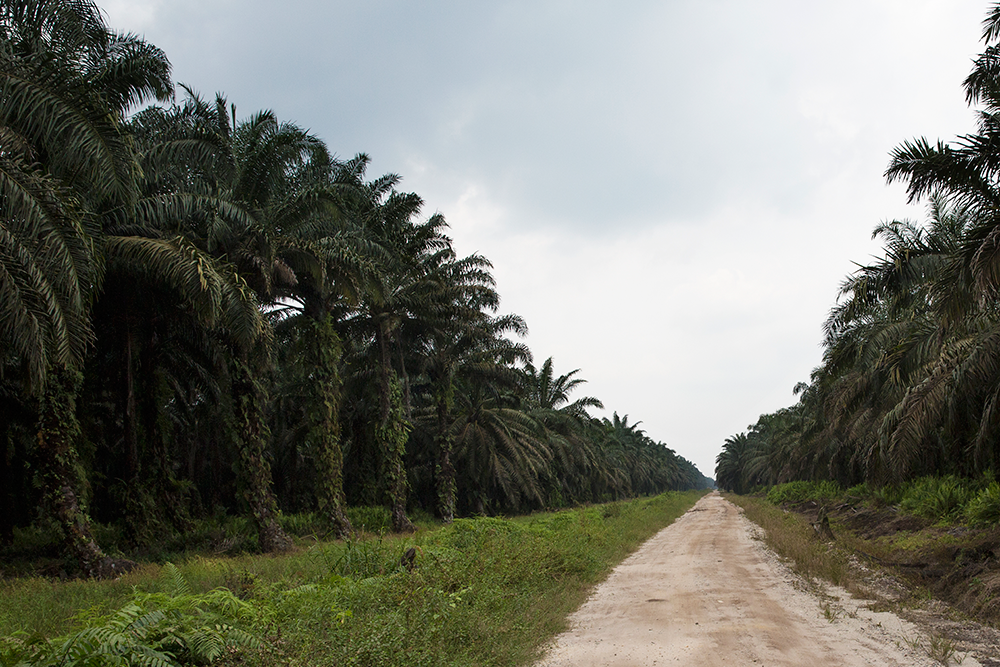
[[910, 379], [201, 312]]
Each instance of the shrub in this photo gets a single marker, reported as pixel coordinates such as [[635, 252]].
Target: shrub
[[154, 629], [792, 492], [303, 525], [796, 492], [984, 508], [889, 495], [936, 498], [826, 490], [859, 492]]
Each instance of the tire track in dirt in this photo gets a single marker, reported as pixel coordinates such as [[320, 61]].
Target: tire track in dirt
[[704, 592]]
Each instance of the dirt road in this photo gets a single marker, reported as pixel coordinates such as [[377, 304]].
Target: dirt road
[[705, 592]]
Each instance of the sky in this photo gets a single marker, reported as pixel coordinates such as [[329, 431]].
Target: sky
[[670, 192]]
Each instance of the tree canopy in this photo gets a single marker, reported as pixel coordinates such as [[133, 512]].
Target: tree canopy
[[203, 312]]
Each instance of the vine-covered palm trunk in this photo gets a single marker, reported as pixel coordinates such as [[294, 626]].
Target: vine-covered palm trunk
[[391, 433], [255, 471], [62, 476], [446, 486], [325, 428]]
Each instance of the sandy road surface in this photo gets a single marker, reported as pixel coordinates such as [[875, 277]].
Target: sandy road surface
[[704, 592]]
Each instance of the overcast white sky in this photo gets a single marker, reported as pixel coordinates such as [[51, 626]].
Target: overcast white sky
[[670, 192]]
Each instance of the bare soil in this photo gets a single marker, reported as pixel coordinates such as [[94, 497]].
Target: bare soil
[[705, 591], [956, 564]]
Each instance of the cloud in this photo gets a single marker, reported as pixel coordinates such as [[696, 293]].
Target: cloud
[[135, 16]]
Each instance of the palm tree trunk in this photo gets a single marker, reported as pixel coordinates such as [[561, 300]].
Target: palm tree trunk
[[255, 471], [408, 407], [57, 429], [7, 506], [131, 429], [391, 434], [325, 430], [445, 467]]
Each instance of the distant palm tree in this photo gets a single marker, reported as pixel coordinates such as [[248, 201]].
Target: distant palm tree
[[731, 461], [499, 455], [469, 348], [578, 465]]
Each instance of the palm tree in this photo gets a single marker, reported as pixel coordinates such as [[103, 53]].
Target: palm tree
[[894, 340], [901, 379], [645, 466], [408, 275], [731, 461], [268, 197], [563, 425], [499, 457], [66, 82], [469, 348], [263, 195], [966, 173]]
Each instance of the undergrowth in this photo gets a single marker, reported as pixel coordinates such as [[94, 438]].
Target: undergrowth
[[949, 499], [485, 591], [793, 492], [940, 534], [166, 629]]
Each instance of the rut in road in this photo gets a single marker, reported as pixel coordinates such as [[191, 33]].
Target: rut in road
[[703, 591]]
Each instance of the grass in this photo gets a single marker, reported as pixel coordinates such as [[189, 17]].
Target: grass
[[486, 591], [789, 536], [943, 650]]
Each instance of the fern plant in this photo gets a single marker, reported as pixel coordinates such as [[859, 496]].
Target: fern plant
[[167, 629]]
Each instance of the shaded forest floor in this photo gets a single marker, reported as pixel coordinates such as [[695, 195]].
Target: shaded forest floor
[[37, 550]]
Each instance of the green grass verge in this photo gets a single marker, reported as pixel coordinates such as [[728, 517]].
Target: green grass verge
[[484, 591]]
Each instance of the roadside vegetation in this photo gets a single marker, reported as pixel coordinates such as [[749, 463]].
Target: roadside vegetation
[[483, 591], [930, 533]]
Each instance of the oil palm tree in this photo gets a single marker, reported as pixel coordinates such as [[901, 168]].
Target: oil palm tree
[[404, 286], [731, 462], [469, 347], [579, 466], [261, 196], [500, 458], [893, 342], [966, 173], [66, 82]]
